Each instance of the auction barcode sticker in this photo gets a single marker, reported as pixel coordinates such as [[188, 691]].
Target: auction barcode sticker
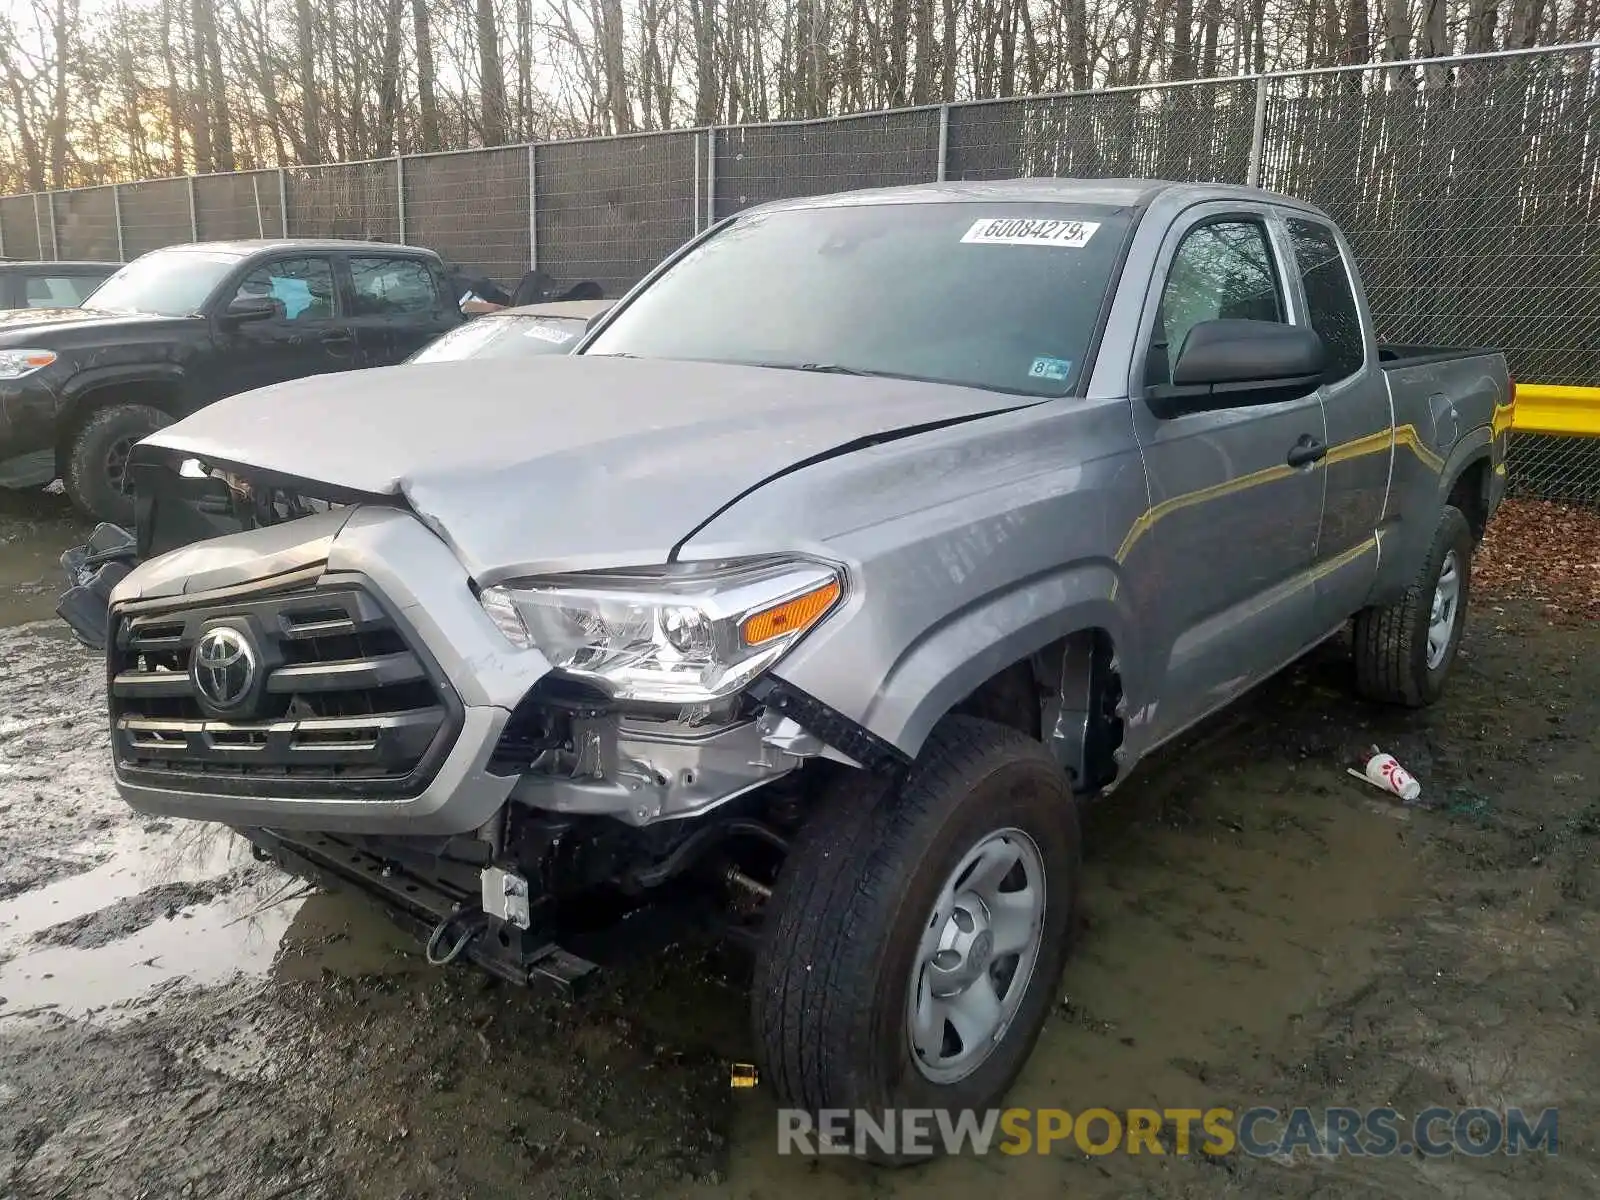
[[1031, 231]]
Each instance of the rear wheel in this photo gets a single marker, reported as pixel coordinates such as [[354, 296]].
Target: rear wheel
[[1404, 651], [97, 479], [917, 933]]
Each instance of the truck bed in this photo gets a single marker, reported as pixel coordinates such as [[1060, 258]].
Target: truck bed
[[1393, 356]]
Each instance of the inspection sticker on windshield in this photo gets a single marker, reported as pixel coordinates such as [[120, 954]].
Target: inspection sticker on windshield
[[548, 333], [1050, 368], [1031, 231]]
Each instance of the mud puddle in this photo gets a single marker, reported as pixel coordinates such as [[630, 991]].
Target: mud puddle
[[34, 529], [99, 910]]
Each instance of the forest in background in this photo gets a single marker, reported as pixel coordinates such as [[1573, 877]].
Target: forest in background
[[97, 91]]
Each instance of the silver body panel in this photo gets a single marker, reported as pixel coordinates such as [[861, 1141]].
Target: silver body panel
[[975, 528]]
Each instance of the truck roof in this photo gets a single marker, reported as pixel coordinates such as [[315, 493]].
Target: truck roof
[[68, 264], [1120, 193], [248, 246]]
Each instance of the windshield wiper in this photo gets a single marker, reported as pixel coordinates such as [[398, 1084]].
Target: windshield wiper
[[818, 368]]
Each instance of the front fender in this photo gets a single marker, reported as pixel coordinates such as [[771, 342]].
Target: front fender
[[94, 379], [945, 662]]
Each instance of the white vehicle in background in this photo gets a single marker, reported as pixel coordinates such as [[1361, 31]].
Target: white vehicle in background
[[553, 328]]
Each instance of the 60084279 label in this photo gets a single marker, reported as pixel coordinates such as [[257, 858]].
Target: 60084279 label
[[1030, 231]]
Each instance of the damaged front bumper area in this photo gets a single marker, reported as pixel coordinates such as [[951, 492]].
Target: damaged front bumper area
[[338, 673]]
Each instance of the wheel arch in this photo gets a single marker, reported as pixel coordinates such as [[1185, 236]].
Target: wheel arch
[[1044, 635], [1468, 487], [156, 386]]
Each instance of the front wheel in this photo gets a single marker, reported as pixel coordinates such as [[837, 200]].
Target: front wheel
[[1404, 651], [97, 479], [917, 933]]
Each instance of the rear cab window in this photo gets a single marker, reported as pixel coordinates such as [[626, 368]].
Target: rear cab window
[[58, 291], [1330, 296], [384, 287], [1003, 296]]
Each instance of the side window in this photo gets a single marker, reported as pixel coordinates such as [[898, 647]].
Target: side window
[[1221, 269], [1330, 300], [301, 287], [58, 291], [391, 286]]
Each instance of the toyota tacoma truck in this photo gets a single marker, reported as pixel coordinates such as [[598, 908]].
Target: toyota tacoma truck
[[872, 535], [181, 327]]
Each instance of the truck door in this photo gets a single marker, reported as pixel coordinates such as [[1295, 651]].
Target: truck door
[[1355, 403], [309, 335], [1221, 568]]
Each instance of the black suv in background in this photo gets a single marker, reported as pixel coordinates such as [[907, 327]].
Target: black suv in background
[[50, 284], [179, 328]]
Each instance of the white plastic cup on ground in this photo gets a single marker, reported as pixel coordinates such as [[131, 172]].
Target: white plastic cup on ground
[[1386, 771]]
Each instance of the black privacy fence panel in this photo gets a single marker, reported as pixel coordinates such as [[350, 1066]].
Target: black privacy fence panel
[[20, 228], [154, 215], [85, 224], [345, 200], [246, 205], [756, 163], [1470, 188], [1196, 133], [1471, 193], [611, 208], [472, 208]]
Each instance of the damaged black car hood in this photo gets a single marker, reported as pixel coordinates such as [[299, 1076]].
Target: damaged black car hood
[[557, 463]]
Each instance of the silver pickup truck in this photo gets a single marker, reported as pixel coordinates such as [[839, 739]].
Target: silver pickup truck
[[855, 548]]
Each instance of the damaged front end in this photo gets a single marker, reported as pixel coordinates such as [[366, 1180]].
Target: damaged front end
[[179, 500], [525, 772]]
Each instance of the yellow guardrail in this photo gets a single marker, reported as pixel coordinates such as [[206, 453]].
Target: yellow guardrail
[[1549, 408]]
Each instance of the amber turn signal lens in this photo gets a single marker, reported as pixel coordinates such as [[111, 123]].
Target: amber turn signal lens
[[791, 616]]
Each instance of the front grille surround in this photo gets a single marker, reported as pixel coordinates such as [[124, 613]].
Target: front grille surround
[[350, 703]]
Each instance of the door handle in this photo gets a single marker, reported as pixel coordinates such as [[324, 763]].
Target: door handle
[[338, 337], [1307, 451]]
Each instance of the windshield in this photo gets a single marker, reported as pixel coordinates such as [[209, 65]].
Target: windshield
[[504, 335], [168, 283], [1000, 296]]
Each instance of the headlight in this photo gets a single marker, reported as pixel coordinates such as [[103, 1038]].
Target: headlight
[[14, 364], [679, 636]]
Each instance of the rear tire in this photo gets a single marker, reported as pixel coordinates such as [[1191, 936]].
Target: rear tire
[[858, 1000], [97, 479], [1404, 651]]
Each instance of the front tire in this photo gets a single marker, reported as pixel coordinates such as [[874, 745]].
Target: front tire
[[1404, 651], [97, 480], [917, 933]]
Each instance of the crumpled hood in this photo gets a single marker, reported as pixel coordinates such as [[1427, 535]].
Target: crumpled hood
[[560, 463]]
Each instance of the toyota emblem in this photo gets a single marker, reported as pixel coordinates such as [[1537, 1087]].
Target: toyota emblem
[[224, 669]]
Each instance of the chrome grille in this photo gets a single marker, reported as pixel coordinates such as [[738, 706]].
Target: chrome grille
[[341, 699]]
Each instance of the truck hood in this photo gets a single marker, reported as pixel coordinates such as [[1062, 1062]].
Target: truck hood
[[561, 463], [34, 326]]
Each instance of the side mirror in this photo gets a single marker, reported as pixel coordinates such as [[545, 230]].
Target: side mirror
[[251, 308], [1232, 364]]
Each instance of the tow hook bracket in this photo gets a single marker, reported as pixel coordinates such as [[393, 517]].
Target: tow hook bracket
[[506, 896], [565, 972]]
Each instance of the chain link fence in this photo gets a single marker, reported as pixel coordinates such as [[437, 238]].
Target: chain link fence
[[609, 209], [1470, 188], [1555, 467]]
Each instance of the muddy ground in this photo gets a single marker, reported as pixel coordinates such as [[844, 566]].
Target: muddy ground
[[1261, 929]]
